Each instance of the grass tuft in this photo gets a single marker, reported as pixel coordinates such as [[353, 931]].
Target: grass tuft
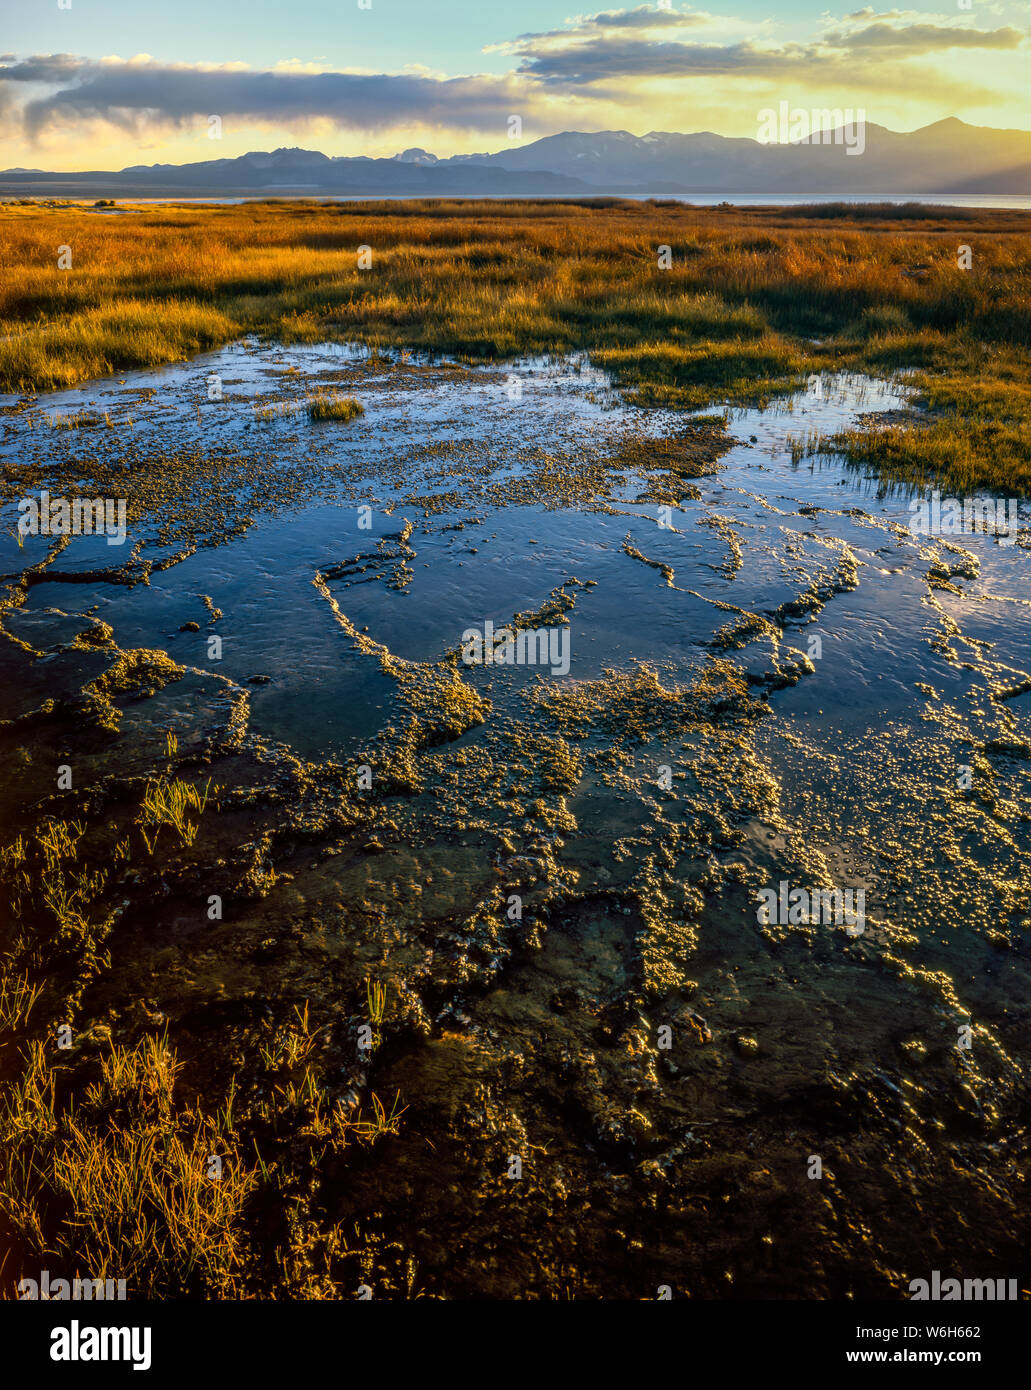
[[176, 804], [328, 405]]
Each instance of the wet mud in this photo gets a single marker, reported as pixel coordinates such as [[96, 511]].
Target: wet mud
[[617, 1076]]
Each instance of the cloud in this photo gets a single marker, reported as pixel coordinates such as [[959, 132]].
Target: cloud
[[626, 59], [617, 46], [923, 38], [609, 58], [644, 18], [127, 92], [643, 27], [47, 67], [596, 49]]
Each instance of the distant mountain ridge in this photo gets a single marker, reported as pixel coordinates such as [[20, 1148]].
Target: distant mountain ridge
[[948, 157]]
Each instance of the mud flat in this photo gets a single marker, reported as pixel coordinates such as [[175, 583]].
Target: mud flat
[[461, 963]]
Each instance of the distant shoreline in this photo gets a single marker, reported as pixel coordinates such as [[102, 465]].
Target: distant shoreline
[[1002, 201]]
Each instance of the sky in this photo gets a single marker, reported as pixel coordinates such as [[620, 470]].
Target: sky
[[101, 84]]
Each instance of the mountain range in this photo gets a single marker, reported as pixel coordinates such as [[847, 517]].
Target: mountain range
[[948, 157]]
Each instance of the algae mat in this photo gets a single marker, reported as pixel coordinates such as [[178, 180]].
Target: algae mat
[[455, 790]]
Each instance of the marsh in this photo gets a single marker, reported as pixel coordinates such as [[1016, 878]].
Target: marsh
[[260, 701]]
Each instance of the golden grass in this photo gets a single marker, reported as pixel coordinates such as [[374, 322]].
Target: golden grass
[[278, 410], [330, 405], [755, 300], [975, 435], [376, 997], [96, 342], [52, 911], [106, 1171], [123, 1185], [81, 419], [174, 803]]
